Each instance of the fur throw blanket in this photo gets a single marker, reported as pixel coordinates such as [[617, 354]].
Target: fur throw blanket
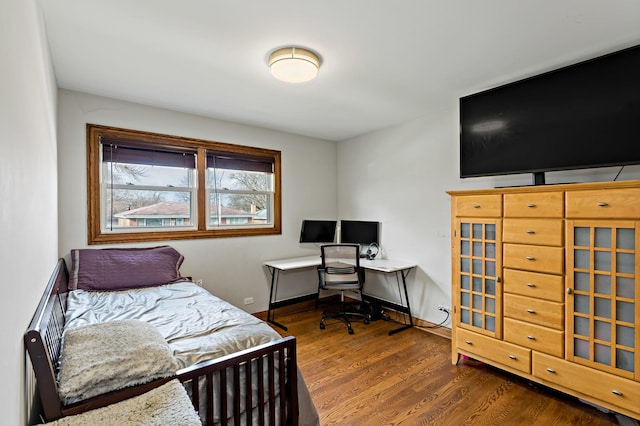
[[166, 405], [100, 358]]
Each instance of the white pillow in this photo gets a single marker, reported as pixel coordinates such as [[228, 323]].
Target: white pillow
[[99, 358]]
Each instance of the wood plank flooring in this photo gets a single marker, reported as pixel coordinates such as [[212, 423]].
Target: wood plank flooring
[[371, 378]]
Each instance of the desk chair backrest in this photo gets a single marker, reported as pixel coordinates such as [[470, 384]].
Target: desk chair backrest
[[340, 271], [340, 264]]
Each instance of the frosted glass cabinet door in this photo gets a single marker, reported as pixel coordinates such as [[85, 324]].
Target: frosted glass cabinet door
[[602, 279], [478, 265]]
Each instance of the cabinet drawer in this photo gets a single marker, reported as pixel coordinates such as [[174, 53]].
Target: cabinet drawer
[[609, 204], [534, 258], [534, 284], [615, 390], [479, 206], [547, 204], [534, 311], [535, 337], [546, 232], [505, 353]]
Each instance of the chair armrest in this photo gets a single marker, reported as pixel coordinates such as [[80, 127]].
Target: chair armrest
[[321, 280]]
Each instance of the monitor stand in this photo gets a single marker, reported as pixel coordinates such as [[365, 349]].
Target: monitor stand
[[538, 178]]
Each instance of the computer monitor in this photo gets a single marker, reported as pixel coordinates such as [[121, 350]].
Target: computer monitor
[[318, 231], [359, 232]]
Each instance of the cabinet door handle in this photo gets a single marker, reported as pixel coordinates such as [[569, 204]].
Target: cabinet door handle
[[568, 290], [531, 311], [531, 205], [513, 357], [551, 370], [603, 204], [532, 285], [531, 338], [531, 258], [530, 231], [616, 392], [476, 206], [468, 342]]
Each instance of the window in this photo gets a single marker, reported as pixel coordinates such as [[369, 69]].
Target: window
[[148, 187], [239, 189]]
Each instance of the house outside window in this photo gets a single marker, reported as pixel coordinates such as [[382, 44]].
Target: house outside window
[[147, 187]]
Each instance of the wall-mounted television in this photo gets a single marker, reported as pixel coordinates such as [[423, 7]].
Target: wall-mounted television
[[318, 231], [359, 232], [585, 115]]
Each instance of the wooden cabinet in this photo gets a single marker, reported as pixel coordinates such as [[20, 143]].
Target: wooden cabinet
[[546, 285]]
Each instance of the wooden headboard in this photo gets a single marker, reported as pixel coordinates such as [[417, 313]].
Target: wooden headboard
[[43, 339]]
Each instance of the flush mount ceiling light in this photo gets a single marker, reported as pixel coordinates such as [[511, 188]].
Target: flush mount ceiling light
[[294, 65]]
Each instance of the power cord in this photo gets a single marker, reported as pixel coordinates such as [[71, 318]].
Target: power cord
[[437, 325], [620, 171]]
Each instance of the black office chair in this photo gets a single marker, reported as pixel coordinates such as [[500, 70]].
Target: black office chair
[[340, 270]]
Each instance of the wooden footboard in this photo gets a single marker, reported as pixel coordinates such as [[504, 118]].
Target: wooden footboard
[[274, 394], [277, 395]]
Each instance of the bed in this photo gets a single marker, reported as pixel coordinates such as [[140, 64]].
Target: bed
[[234, 366]]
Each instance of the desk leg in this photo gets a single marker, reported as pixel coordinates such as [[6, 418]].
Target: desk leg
[[404, 274], [272, 297]]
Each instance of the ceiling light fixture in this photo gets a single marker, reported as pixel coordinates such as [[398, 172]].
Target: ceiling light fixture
[[294, 65]]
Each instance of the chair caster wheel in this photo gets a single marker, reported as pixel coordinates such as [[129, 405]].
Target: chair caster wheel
[[321, 326], [366, 321], [351, 331]]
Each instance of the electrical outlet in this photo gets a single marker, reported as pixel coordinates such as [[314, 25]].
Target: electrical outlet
[[444, 309], [248, 300]]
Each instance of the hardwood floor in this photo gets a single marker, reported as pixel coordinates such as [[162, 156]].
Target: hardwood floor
[[371, 378]]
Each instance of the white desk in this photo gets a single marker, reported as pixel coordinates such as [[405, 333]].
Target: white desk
[[390, 266]]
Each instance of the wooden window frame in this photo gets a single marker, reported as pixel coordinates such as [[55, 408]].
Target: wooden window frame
[[95, 234]]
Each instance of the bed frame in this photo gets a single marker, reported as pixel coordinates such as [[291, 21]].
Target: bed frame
[[43, 341]]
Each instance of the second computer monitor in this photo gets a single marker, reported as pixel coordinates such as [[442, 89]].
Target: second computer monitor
[[359, 232]]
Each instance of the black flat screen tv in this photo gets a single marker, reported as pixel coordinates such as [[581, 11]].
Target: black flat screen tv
[[318, 231], [359, 232], [585, 115]]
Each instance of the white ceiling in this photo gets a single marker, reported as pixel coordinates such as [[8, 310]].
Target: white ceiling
[[383, 61]]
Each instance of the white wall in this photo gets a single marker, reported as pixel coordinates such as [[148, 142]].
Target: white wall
[[28, 192], [399, 176], [230, 267]]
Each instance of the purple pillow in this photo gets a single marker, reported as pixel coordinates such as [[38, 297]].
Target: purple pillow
[[121, 269]]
